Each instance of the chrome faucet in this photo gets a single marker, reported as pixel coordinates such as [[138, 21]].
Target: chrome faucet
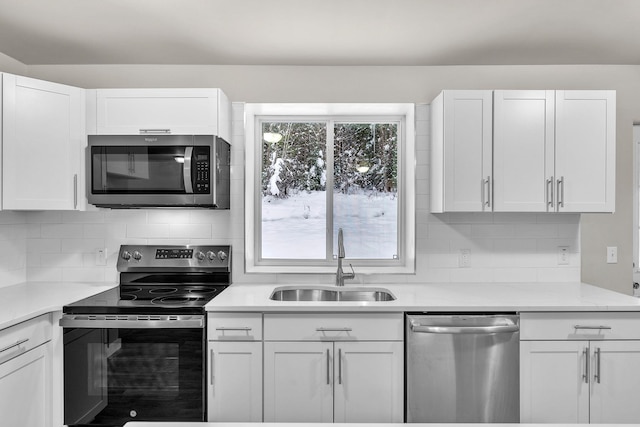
[[341, 275]]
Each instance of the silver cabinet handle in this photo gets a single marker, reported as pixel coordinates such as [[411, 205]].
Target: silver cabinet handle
[[585, 376], [16, 344], [155, 131], [560, 192], [549, 192], [599, 327], [339, 366], [486, 194], [334, 329], [213, 375], [75, 191], [328, 366], [186, 170], [596, 376], [241, 328]]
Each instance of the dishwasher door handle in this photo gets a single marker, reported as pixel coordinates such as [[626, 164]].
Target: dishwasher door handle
[[431, 329]]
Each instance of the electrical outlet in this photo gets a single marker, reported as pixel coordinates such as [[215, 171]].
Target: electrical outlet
[[563, 255], [464, 258], [612, 254], [101, 256]]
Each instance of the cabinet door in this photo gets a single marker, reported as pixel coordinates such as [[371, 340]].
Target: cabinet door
[[25, 389], [523, 150], [585, 150], [615, 382], [235, 381], [554, 384], [42, 134], [461, 151], [298, 382], [369, 382], [175, 111]]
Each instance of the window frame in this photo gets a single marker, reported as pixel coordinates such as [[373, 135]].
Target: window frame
[[402, 113]]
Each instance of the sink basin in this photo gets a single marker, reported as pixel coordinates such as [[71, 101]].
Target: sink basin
[[330, 293]]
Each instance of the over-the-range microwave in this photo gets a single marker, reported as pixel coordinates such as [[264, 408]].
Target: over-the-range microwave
[[138, 171]]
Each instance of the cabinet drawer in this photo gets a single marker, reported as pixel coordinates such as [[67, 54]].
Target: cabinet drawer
[[234, 327], [330, 327], [580, 326], [24, 336]]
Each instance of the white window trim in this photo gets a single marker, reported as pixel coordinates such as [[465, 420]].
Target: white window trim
[[406, 158]]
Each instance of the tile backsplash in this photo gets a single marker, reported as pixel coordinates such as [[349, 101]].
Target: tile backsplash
[[61, 246]]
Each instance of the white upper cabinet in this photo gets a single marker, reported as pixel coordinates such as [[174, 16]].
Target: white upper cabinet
[[545, 151], [461, 158], [523, 144], [42, 132], [585, 150], [162, 111]]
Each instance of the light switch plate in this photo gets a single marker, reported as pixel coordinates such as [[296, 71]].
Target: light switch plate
[[612, 254], [101, 256], [563, 255]]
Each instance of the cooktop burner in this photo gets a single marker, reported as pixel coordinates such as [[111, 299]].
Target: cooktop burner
[[162, 280]]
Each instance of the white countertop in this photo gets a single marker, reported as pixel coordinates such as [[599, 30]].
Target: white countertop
[[204, 424], [440, 297], [30, 299]]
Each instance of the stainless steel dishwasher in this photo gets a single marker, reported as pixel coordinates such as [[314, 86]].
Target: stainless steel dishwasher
[[462, 368]]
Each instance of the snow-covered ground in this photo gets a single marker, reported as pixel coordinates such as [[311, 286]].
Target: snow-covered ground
[[295, 228]]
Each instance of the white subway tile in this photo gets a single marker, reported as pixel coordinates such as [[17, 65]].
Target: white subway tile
[[539, 231], [43, 245], [75, 217], [471, 275], [62, 231], [44, 274], [515, 275], [74, 246], [95, 274], [190, 231], [493, 230], [557, 274], [44, 217], [62, 260], [168, 217], [148, 231]]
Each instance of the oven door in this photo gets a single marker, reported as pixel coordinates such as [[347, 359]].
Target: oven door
[[166, 170], [115, 374]]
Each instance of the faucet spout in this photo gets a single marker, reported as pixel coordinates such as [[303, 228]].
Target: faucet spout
[[340, 274]]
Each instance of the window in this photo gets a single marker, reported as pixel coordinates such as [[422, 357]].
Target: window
[[313, 169]]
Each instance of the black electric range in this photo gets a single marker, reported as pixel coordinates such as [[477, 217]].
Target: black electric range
[[137, 352]]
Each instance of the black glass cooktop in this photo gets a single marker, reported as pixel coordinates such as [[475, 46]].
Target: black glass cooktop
[[164, 299]]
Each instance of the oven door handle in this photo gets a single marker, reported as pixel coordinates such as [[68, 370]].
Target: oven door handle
[[186, 170], [131, 321]]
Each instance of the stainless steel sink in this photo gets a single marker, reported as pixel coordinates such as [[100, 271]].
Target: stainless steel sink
[[330, 293]]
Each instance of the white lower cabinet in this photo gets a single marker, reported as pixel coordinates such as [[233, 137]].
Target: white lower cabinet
[[333, 368], [368, 382], [234, 384], [298, 382], [25, 374], [584, 375]]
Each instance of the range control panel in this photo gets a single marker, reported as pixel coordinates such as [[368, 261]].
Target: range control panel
[[176, 258]]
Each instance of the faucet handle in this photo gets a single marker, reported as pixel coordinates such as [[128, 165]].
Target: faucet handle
[[350, 275]]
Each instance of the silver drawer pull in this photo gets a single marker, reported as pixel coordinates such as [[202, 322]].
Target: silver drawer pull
[[18, 343], [242, 328], [334, 329], [592, 327]]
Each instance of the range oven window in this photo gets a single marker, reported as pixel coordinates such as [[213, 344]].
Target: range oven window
[[113, 376]]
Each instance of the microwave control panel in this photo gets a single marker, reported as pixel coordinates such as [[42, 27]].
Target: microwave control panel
[[201, 182]]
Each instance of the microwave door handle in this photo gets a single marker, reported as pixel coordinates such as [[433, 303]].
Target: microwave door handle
[[188, 185]]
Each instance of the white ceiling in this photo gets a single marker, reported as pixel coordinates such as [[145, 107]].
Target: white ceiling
[[321, 32]]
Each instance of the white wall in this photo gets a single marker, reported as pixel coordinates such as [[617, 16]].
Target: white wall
[[420, 85], [13, 233], [504, 247]]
